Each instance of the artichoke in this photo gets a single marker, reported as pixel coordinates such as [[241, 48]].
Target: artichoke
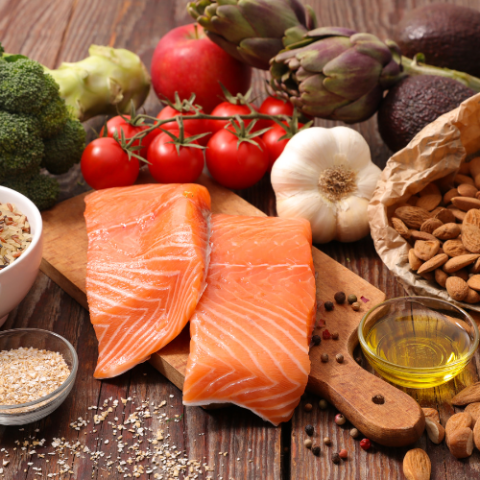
[[336, 73], [253, 31]]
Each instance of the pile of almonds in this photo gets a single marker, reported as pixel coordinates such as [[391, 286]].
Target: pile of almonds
[[442, 225]]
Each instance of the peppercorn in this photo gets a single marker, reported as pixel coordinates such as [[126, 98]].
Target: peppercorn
[[354, 433], [316, 339], [326, 334], [308, 443], [339, 358], [316, 450], [365, 444], [329, 306], [324, 357], [378, 399], [308, 407], [343, 454], [335, 458], [323, 404], [356, 306], [340, 419], [327, 441], [335, 336], [352, 299], [359, 360], [309, 430], [339, 297]]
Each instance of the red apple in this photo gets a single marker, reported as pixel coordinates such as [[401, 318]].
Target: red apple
[[187, 61]]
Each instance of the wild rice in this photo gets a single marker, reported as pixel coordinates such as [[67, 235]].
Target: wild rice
[[15, 236]]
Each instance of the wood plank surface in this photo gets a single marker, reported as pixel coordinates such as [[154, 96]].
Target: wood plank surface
[[52, 31]]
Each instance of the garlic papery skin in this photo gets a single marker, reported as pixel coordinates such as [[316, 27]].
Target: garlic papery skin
[[326, 176]]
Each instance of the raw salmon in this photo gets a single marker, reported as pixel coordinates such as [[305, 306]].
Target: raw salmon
[[251, 330], [146, 267]]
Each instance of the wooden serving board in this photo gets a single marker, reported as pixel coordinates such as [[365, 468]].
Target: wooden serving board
[[399, 421]]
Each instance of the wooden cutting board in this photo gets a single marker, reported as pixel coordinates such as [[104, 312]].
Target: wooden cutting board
[[399, 421]]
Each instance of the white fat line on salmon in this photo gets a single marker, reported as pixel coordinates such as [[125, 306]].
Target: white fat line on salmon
[[130, 282], [229, 311], [144, 271], [262, 265], [127, 293]]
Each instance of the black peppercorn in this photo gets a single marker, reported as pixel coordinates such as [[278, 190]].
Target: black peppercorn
[[352, 299], [316, 450], [328, 306], [324, 357], [335, 458], [309, 430], [316, 339], [335, 336], [378, 399], [340, 297]]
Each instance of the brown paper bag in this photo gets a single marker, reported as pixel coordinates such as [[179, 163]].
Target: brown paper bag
[[434, 153]]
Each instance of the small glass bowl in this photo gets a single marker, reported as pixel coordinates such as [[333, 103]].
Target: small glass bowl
[[418, 342], [41, 339]]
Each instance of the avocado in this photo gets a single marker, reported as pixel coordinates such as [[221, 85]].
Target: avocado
[[415, 102], [448, 35]]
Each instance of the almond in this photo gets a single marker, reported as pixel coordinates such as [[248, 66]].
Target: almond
[[412, 201], [467, 190], [417, 465], [465, 203], [457, 288], [430, 202], [454, 248], [430, 225], [447, 198], [412, 216], [418, 235], [460, 261], [473, 282], [463, 274], [472, 296], [430, 189], [477, 195], [472, 217], [476, 434], [474, 410], [433, 263], [457, 422], [448, 231], [435, 432], [457, 214], [445, 215], [429, 276], [471, 238], [464, 168], [441, 277], [425, 250], [468, 395], [400, 227], [459, 179], [474, 167], [431, 413], [413, 260], [461, 443]]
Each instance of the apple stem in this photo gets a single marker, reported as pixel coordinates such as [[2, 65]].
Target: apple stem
[[196, 31]]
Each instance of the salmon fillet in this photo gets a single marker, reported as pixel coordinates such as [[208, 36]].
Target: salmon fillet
[[146, 266], [251, 330]]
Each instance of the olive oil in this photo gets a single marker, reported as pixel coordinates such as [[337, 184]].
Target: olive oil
[[423, 349]]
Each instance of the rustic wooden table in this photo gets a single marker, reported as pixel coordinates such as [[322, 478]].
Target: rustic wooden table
[[61, 30]]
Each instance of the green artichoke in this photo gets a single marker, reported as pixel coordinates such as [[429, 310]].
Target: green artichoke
[[253, 31], [336, 73]]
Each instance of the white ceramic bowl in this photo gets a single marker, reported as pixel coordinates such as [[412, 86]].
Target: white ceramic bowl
[[17, 279]]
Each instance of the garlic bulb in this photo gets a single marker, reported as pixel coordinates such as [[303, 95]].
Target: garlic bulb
[[326, 175]]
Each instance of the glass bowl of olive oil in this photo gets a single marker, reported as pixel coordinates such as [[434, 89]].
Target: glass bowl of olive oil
[[418, 342]]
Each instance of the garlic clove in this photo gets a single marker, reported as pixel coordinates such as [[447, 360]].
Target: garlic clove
[[367, 179], [352, 219], [352, 148]]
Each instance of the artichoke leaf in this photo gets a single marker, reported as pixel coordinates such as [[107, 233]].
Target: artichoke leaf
[[360, 110]]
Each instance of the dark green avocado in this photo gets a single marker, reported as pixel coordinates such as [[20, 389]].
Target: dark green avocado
[[415, 102], [448, 35]]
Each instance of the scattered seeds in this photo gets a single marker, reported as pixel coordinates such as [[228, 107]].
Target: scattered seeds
[[335, 336], [327, 441], [309, 430], [378, 399], [352, 299], [339, 358], [365, 444], [324, 357], [308, 407], [340, 297], [354, 433], [340, 419], [329, 306], [323, 404], [335, 458], [316, 339], [308, 443], [356, 306], [343, 454], [316, 450], [326, 334]]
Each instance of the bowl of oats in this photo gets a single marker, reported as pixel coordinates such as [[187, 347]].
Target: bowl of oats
[[21, 245], [38, 370]]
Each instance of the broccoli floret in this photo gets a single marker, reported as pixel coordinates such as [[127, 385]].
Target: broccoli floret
[[42, 190], [53, 117], [21, 147], [65, 149], [24, 87]]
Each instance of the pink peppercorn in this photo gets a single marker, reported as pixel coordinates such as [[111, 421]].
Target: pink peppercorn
[[343, 454], [365, 444], [326, 334]]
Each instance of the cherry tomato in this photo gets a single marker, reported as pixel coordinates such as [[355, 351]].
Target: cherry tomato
[[195, 127], [235, 167], [274, 145], [116, 124], [273, 106], [227, 109], [105, 164], [167, 166]]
